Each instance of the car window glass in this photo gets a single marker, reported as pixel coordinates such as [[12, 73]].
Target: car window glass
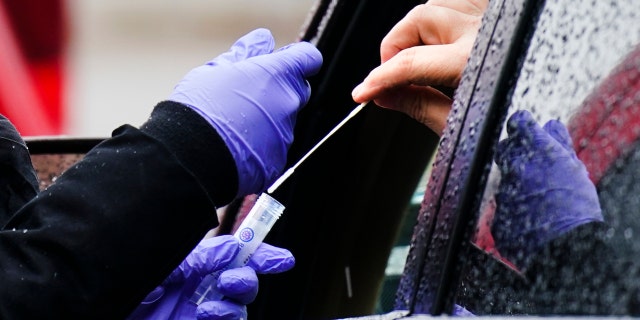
[[582, 68], [460, 163]]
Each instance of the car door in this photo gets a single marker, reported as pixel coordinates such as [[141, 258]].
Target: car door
[[572, 61]]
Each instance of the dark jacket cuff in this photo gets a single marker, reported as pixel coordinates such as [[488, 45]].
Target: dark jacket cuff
[[197, 146]]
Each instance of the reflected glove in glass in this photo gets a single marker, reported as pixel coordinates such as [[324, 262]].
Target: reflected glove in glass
[[544, 191], [170, 300], [251, 96]]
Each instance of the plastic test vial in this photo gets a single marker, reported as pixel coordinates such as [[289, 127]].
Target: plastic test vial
[[250, 233]]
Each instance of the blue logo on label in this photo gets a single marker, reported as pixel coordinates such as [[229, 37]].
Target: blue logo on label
[[246, 234]]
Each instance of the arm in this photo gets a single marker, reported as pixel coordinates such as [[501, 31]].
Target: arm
[[95, 249], [112, 227], [18, 177]]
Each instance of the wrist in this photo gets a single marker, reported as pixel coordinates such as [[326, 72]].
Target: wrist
[[197, 146]]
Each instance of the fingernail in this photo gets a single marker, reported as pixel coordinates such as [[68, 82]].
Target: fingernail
[[356, 91]]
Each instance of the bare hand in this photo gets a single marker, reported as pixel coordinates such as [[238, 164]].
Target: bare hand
[[429, 46]]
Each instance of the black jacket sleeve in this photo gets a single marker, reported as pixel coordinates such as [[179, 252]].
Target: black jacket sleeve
[[18, 181], [113, 226]]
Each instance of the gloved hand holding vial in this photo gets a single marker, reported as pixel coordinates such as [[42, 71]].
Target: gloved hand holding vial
[[259, 221], [250, 234]]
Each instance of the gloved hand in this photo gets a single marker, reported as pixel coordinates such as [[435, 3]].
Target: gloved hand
[[251, 96], [170, 300], [544, 190]]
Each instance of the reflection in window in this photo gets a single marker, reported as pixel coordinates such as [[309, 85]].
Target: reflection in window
[[582, 68], [398, 257]]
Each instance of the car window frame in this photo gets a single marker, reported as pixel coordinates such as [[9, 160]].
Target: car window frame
[[452, 200]]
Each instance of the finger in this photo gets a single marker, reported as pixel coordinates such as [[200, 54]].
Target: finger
[[221, 310], [472, 7], [526, 135], [239, 284], [559, 132], [209, 255], [424, 25], [419, 66], [512, 147], [270, 259], [292, 65], [424, 104], [301, 57], [213, 254], [406, 33], [535, 140], [510, 157], [530, 140], [521, 124], [254, 43]]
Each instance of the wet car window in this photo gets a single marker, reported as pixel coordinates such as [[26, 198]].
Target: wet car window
[[459, 168], [558, 227]]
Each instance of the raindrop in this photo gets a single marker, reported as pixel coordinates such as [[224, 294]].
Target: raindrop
[[628, 233]]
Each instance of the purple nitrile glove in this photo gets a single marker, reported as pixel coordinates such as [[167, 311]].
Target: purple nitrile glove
[[544, 190], [170, 300], [460, 311], [251, 96]]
